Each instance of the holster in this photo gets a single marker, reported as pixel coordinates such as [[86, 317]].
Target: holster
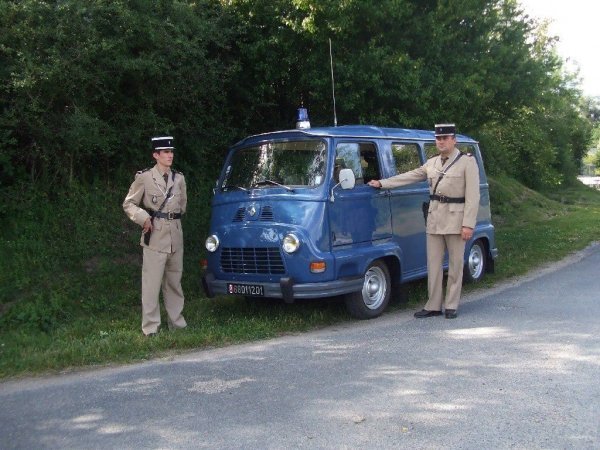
[[425, 207], [148, 233]]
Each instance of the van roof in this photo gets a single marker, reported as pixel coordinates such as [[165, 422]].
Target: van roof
[[350, 131]]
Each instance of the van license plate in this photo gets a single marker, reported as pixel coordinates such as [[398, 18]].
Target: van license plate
[[254, 290]]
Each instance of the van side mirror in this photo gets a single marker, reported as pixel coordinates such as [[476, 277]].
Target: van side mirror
[[346, 180]]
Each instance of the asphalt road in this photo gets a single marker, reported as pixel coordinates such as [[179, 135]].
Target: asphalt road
[[519, 368]]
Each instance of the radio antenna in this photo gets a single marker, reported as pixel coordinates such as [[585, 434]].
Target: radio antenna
[[332, 84]]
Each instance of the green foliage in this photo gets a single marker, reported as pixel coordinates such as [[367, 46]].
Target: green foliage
[[481, 64], [515, 204], [86, 83]]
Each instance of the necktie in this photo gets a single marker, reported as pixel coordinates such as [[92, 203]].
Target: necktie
[[444, 159], [166, 177]]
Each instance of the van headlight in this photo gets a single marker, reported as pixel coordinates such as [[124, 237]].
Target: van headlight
[[290, 243], [212, 243]]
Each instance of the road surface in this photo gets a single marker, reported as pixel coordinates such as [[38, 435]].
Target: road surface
[[519, 368]]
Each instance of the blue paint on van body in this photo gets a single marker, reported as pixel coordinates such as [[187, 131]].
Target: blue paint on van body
[[341, 232]]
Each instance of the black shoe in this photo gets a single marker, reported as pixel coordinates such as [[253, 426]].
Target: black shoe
[[424, 313], [149, 335], [450, 314]]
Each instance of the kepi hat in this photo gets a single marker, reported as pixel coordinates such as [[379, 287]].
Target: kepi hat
[[445, 129], [162, 143]]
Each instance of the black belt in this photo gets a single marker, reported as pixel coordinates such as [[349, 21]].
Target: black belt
[[444, 199], [167, 215]]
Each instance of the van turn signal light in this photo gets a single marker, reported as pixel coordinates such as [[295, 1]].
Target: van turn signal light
[[318, 266]]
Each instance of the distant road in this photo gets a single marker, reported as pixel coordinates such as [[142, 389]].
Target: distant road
[[519, 368], [590, 181]]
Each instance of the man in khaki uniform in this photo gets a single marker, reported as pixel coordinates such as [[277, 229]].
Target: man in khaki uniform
[[454, 200], [156, 200]]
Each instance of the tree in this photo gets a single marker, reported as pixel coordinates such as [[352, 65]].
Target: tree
[[86, 83], [89, 82]]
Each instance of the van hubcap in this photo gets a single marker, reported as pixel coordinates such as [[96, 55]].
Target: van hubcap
[[476, 261], [374, 288]]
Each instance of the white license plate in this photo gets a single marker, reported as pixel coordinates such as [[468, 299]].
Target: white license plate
[[252, 290]]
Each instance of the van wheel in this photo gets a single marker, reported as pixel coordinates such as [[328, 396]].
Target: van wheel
[[476, 262], [374, 297]]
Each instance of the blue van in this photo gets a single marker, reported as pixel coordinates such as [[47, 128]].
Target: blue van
[[293, 218]]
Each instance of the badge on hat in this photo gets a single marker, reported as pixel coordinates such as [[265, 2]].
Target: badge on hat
[[445, 129], [162, 143]]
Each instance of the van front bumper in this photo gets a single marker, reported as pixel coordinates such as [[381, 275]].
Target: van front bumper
[[287, 289]]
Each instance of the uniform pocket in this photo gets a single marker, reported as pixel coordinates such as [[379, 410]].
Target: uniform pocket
[[456, 207], [452, 185], [154, 197]]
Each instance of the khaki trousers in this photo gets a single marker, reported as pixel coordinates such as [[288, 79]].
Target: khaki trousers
[[437, 244], [162, 269]]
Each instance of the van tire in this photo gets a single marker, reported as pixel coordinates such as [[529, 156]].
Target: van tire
[[371, 301], [475, 265]]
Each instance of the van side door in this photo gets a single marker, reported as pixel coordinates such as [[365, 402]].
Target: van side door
[[408, 222], [361, 214]]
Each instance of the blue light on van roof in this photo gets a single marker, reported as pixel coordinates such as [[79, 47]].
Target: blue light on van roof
[[302, 121]]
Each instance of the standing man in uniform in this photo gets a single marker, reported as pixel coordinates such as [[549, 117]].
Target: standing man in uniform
[[454, 201], [156, 200]]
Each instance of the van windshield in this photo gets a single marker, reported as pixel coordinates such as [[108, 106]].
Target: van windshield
[[277, 164]]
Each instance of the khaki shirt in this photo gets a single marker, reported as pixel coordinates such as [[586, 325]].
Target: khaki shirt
[[148, 191], [461, 180]]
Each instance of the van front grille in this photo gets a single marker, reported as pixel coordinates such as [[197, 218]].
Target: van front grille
[[239, 215], [252, 260], [266, 214]]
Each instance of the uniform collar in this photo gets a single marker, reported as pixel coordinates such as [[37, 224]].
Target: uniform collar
[[158, 171], [159, 176], [451, 157]]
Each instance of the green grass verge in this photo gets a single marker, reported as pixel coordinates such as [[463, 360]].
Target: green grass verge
[[70, 274]]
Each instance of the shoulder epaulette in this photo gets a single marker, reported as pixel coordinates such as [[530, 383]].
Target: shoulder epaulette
[[139, 172]]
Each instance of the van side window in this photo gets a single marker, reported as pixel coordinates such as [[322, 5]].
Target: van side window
[[466, 148], [361, 158], [430, 151], [406, 157]]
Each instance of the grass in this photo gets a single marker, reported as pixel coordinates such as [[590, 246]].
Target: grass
[[70, 278]]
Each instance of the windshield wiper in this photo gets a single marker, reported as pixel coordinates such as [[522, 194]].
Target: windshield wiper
[[235, 187], [274, 183]]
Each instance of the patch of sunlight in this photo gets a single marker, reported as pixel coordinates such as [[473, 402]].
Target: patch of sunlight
[[139, 385], [444, 407], [566, 353], [216, 385], [480, 332], [86, 418], [114, 429]]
